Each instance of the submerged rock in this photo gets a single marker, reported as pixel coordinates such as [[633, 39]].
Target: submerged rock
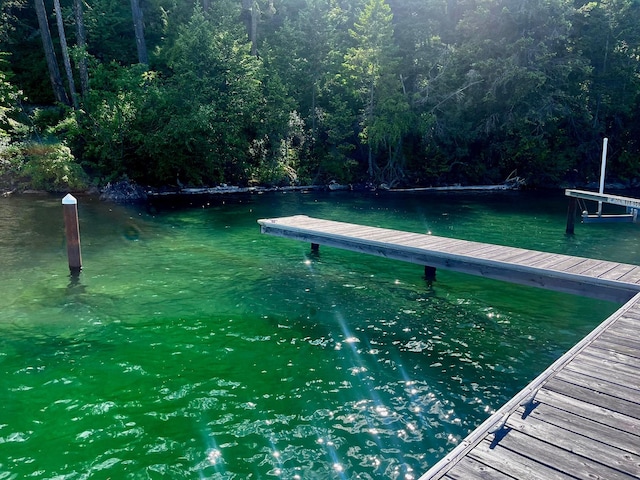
[[123, 191]]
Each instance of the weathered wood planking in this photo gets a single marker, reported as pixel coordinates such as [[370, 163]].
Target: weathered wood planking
[[579, 419], [600, 279]]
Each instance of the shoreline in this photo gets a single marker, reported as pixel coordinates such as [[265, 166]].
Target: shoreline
[[128, 192]]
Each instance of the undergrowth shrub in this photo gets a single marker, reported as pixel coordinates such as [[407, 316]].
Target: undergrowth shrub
[[52, 167]]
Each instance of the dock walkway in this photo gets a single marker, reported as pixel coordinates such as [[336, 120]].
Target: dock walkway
[[580, 419], [600, 279]]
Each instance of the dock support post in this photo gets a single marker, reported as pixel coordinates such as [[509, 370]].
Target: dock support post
[[429, 274], [72, 230], [571, 215], [315, 247]]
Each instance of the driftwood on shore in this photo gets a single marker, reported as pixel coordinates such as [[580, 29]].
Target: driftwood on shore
[[129, 192], [458, 188], [225, 189]]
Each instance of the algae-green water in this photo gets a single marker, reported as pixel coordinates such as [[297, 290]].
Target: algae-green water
[[193, 347]]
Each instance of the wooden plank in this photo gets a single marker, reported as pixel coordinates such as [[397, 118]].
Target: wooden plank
[[585, 394], [468, 468], [567, 264], [404, 239], [603, 377], [549, 261], [550, 454], [632, 276], [618, 271], [513, 464], [526, 257], [586, 409], [582, 374], [368, 234], [626, 328], [632, 316], [621, 345], [440, 244], [499, 253], [584, 426], [594, 268], [474, 249], [624, 336], [631, 319], [626, 364], [591, 448]]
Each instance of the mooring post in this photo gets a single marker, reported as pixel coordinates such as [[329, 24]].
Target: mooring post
[[571, 215], [315, 247], [72, 230], [429, 274]]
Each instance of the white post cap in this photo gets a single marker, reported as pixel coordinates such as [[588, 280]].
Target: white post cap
[[69, 200]]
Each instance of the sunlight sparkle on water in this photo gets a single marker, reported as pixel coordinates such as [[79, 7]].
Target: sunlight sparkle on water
[[382, 410], [214, 456]]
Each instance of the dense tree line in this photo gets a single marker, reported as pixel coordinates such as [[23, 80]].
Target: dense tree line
[[414, 92]]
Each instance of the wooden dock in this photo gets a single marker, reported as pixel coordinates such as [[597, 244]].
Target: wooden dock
[[600, 279], [580, 419]]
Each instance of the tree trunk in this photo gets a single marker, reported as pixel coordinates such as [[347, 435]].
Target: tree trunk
[[138, 26], [206, 5], [371, 169], [65, 54], [250, 17], [313, 111], [255, 15], [81, 36], [59, 92]]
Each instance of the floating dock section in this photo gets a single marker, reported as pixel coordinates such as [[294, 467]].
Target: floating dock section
[[601, 279]]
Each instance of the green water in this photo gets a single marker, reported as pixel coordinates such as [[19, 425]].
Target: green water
[[193, 347]]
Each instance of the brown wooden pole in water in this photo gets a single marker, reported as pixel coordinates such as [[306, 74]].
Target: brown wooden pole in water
[[72, 230], [571, 215]]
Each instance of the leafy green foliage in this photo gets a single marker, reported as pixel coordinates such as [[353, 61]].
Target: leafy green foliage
[[206, 114], [49, 167], [393, 91], [372, 69], [9, 98]]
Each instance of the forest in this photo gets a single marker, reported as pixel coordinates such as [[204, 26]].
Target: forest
[[296, 92]]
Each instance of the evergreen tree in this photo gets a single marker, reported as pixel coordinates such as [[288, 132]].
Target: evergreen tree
[[608, 37], [203, 118], [372, 69]]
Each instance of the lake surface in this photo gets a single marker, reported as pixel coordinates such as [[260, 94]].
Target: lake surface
[[192, 346]]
